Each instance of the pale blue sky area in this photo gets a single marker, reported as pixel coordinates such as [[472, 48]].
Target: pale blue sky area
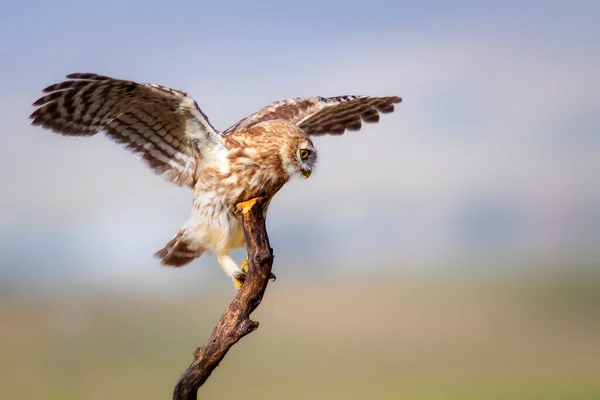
[[494, 153]]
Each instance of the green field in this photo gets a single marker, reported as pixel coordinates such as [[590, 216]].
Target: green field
[[409, 339]]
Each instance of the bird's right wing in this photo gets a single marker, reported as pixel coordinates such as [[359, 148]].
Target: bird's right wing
[[165, 128]]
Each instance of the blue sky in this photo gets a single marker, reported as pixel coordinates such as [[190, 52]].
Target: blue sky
[[494, 150]]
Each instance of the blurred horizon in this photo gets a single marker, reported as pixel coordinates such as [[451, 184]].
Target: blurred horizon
[[339, 338]]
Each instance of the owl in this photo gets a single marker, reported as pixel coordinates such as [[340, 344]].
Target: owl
[[167, 131]]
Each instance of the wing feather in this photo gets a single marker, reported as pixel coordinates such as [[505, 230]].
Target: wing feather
[[321, 115], [164, 127]]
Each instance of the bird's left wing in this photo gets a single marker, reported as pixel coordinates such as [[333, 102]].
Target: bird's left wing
[[165, 128], [322, 115]]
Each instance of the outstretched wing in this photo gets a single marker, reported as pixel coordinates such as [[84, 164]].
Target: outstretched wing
[[165, 128], [322, 115]]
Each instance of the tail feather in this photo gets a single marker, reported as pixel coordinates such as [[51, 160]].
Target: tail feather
[[178, 251]]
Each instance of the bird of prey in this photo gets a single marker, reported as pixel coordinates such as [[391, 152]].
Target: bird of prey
[[167, 130]]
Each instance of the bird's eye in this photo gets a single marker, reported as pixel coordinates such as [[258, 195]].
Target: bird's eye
[[304, 154]]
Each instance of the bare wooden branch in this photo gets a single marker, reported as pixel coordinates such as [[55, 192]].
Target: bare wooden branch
[[235, 322]]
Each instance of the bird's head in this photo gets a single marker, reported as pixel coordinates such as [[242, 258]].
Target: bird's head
[[297, 154], [298, 157], [306, 157]]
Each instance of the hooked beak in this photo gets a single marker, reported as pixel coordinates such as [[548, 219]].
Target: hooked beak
[[306, 173]]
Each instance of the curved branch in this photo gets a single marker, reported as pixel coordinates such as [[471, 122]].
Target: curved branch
[[235, 322]]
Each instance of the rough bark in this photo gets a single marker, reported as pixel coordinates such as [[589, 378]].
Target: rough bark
[[235, 322]]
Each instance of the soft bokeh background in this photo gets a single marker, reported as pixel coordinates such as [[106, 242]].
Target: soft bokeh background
[[451, 251]]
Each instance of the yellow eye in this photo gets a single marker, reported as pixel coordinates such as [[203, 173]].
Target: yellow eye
[[304, 154]]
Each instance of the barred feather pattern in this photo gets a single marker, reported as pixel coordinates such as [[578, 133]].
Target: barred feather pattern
[[165, 128], [322, 115]]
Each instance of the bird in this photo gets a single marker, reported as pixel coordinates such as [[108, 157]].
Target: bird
[[166, 129]]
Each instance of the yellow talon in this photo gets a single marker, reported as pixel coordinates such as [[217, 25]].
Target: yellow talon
[[244, 266], [239, 277]]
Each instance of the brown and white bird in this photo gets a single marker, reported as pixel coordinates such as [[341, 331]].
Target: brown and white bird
[[167, 130]]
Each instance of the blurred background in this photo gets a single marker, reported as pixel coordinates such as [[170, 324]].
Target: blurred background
[[449, 252]]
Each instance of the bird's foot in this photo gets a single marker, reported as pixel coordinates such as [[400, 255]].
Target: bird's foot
[[244, 268], [238, 277]]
